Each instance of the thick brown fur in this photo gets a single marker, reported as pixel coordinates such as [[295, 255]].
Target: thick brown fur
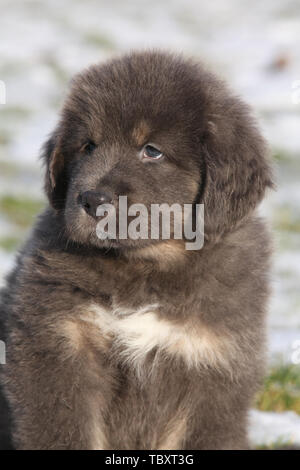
[[141, 344]]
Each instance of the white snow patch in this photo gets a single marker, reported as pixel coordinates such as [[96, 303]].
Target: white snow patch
[[6, 264], [269, 427]]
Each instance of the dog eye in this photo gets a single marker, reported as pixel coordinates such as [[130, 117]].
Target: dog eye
[[152, 152], [88, 147]]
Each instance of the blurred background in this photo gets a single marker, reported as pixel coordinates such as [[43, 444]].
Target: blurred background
[[254, 45]]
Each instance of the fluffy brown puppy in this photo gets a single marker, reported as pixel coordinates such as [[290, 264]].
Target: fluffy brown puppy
[[141, 344]]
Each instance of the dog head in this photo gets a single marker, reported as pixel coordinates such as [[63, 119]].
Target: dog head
[[158, 129]]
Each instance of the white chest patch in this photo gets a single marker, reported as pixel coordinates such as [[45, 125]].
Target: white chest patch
[[141, 331]]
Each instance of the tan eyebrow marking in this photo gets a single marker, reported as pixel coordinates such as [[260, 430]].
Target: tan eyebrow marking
[[141, 132]]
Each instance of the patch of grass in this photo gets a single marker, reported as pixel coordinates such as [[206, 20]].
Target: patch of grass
[[8, 168], [9, 244], [281, 390], [281, 156], [99, 40], [5, 138], [20, 211], [279, 444], [286, 219], [15, 112], [59, 72]]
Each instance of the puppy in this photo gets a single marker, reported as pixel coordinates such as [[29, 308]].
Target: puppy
[[140, 343]]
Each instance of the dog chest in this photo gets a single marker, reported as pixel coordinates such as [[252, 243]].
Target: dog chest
[[136, 333]]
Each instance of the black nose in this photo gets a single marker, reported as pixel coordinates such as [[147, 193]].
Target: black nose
[[90, 200]]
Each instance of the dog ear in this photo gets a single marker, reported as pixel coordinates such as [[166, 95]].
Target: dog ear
[[237, 169], [55, 177]]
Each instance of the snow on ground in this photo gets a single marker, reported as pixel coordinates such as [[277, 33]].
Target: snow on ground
[[42, 44], [6, 264], [267, 428]]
